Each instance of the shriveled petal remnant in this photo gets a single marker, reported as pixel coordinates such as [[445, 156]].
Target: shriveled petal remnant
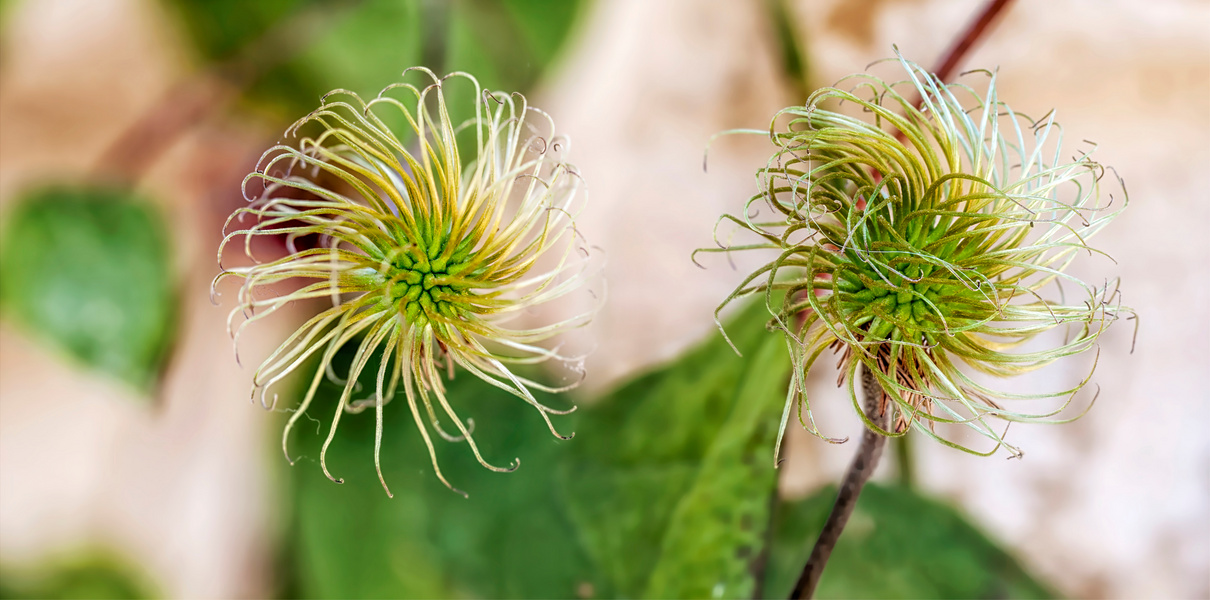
[[913, 240], [430, 257]]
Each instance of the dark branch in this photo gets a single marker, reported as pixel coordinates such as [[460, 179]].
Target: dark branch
[[973, 33], [191, 100], [868, 452]]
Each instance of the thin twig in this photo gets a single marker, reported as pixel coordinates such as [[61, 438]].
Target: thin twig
[[860, 470], [789, 42], [973, 33], [189, 101], [904, 463], [963, 44]]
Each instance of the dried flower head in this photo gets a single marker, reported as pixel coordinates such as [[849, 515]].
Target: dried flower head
[[917, 238], [430, 257]]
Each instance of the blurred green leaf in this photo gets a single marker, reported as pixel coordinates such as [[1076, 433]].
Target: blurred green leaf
[[791, 44], [670, 476], [89, 270], [219, 29], [6, 8], [670, 485], [544, 24], [362, 47], [717, 530], [92, 576], [510, 538], [302, 49], [897, 544]]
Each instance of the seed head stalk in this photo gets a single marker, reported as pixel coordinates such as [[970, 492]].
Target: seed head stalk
[[869, 451]]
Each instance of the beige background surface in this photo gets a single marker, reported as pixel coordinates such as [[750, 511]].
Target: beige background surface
[[1115, 505]]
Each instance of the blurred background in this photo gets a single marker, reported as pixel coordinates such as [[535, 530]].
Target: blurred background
[[132, 464]]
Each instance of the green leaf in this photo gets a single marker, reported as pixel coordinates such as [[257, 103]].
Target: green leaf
[[219, 29], [670, 476], [363, 48], [88, 269], [510, 538], [7, 7], [670, 484], [306, 48], [95, 575], [897, 544]]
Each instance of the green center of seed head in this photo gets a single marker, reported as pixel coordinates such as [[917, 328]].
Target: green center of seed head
[[915, 305], [427, 286]]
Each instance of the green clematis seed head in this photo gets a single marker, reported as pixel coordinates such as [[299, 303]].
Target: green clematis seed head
[[435, 238], [927, 241]]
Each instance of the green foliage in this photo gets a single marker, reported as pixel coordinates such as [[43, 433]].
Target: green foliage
[[88, 269], [362, 48], [307, 47], [665, 491], [669, 479], [94, 576], [220, 28], [897, 544], [663, 483], [510, 538], [6, 9]]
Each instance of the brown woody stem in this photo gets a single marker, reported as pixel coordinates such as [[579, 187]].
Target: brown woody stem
[[860, 470], [188, 102], [973, 33]]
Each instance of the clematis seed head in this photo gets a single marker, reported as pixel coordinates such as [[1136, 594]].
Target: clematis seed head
[[432, 236], [922, 231]]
